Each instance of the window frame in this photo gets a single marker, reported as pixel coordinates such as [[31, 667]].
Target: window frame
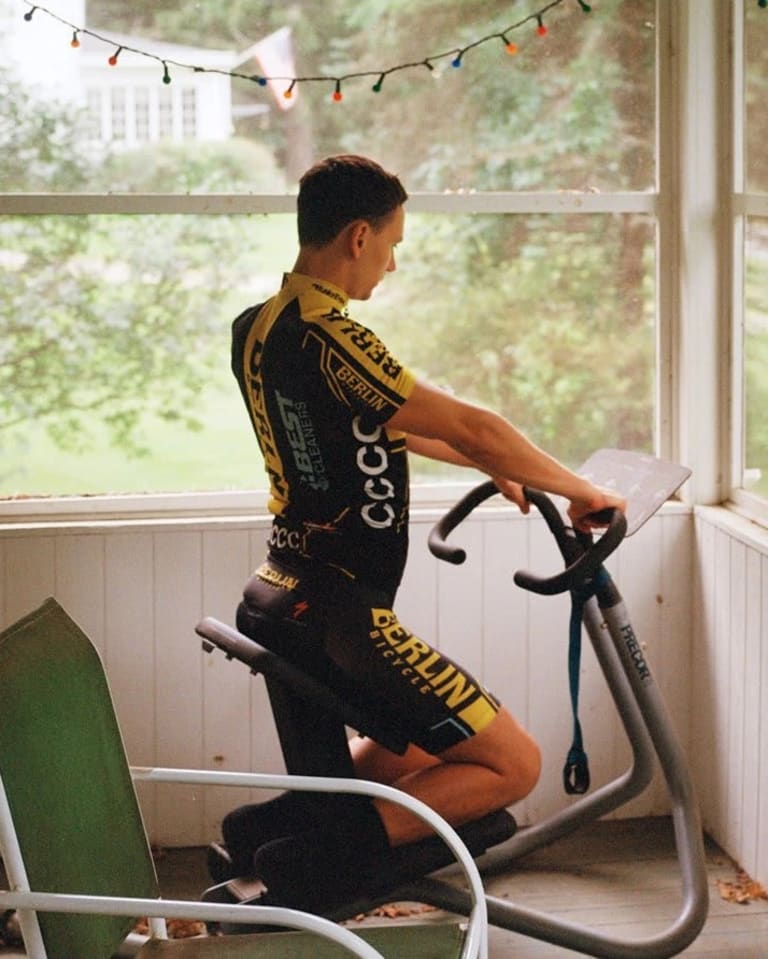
[[743, 205], [696, 302], [148, 506]]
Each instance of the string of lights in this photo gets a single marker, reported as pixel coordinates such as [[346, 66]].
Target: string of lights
[[455, 56]]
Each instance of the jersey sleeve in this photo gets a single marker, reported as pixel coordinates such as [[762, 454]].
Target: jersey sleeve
[[358, 368]]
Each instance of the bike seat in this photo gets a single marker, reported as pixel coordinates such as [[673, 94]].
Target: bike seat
[[368, 718]]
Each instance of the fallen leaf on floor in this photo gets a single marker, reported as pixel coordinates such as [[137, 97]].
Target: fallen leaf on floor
[[396, 910], [177, 928], [742, 890]]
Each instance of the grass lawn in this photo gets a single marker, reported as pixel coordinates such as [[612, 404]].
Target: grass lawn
[[223, 455]]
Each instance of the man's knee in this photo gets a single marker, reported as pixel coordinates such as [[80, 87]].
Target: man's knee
[[526, 767], [507, 749], [517, 759]]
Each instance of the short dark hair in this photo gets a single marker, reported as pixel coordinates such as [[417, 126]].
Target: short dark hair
[[341, 189]]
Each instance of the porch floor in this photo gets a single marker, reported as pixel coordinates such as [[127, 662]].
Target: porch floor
[[618, 876]]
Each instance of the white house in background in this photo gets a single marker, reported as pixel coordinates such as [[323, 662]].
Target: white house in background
[[127, 103]]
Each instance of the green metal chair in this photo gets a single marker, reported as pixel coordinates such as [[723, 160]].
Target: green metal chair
[[73, 842]]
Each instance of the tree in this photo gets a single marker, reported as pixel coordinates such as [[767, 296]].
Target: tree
[[99, 326], [756, 327], [541, 336], [548, 319], [756, 363]]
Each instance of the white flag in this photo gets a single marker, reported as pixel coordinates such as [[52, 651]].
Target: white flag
[[274, 55]]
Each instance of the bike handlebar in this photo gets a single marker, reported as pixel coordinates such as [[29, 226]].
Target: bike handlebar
[[583, 555], [455, 515]]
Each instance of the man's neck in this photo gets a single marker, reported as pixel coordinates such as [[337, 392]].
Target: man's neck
[[323, 263]]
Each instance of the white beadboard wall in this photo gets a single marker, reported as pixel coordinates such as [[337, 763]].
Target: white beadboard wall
[[138, 589], [729, 734]]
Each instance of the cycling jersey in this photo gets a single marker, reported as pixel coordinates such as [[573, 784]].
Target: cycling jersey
[[319, 388]]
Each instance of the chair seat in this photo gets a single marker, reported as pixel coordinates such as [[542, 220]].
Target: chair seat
[[437, 940]]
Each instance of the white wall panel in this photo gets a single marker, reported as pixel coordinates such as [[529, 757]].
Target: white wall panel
[[549, 703], [735, 693], [30, 573], [730, 685], [695, 594], [757, 720], [506, 647], [237, 733], [505, 621], [176, 591], [460, 599], [703, 674], [129, 653], [639, 575], [79, 582], [722, 680], [673, 654], [754, 692]]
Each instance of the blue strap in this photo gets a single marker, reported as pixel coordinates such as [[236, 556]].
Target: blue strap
[[576, 769]]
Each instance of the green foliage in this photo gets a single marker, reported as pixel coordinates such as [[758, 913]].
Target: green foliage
[[548, 332], [756, 96], [550, 117], [102, 326], [38, 146], [235, 166], [200, 23], [108, 322], [756, 391], [572, 110], [756, 361]]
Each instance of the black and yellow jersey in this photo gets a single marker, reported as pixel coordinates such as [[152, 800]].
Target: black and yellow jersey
[[319, 388]]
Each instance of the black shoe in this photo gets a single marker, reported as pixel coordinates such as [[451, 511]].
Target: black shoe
[[320, 873], [219, 863], [10, 929]]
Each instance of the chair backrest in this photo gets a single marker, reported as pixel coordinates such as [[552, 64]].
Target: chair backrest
[[67, 780]]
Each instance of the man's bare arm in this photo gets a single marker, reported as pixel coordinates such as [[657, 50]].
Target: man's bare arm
[[486, 440]]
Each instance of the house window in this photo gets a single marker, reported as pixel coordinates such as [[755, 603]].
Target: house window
[[165, 124], [119, 123], [141, 115], [189, 113], [93, 113]]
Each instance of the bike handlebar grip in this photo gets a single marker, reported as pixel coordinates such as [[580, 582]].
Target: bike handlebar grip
[[586, 566], [447, 523]]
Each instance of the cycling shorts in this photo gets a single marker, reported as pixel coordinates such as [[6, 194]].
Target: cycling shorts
[[321, 614]]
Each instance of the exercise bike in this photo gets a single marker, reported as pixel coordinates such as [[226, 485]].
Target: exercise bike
[[312, 721]]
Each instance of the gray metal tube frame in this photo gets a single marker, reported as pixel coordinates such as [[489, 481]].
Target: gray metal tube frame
[[652, 736]]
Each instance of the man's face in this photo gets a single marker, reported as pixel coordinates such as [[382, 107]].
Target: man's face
[[378, 255]]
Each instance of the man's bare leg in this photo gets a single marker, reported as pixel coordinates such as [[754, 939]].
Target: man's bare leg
[[496, 767]]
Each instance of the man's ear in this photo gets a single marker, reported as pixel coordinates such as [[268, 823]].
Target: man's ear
[[357, 236]]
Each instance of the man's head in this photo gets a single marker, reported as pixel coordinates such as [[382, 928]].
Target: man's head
[[340, 190]]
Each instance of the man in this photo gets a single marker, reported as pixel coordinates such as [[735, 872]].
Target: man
[[335, 415]]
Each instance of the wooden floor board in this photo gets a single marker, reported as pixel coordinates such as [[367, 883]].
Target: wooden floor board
[[619, 877]]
